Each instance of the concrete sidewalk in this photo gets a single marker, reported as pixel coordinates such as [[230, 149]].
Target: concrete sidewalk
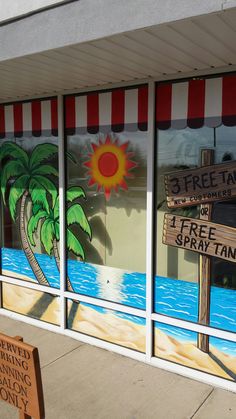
[[81, 381]]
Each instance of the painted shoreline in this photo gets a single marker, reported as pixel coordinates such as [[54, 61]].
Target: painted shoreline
[[108, 327]]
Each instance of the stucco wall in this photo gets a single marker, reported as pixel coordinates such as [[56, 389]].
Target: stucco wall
[[87, 20], [14, 8]]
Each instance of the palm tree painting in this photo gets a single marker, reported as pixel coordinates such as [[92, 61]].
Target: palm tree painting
[[27, 176], [50, 228]]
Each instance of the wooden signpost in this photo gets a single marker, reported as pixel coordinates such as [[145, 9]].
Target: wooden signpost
[[207, 159], [20, 377], [200, 236], [203, 185], [208, 183]]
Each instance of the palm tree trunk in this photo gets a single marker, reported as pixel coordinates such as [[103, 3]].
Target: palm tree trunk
[[42, 280], [57, 259]]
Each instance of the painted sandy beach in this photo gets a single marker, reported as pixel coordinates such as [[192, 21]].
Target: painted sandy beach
[[109, 326]]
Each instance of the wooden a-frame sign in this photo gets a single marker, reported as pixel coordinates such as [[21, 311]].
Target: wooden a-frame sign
[[20, 377]]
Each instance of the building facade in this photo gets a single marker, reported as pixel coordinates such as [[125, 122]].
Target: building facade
[[118, 181]]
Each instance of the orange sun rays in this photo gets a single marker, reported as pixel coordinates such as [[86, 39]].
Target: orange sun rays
[[109, 164]]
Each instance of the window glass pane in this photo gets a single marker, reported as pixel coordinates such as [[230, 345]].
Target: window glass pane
[[176, 280], [36, 304], [180, 346], [113, 326], [223, 276], [107, 244], [29, 233], [176, 289]]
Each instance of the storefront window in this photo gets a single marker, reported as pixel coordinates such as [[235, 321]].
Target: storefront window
[[29, 192], [196, 256], [31, 303], [176, 281], [179, 346], [113, 326], [106, 182]]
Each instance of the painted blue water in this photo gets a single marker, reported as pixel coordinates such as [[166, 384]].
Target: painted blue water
[[174, 298]]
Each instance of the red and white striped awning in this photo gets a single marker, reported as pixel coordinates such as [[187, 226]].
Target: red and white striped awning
[[34, 118], [116, 110], [196, 103]]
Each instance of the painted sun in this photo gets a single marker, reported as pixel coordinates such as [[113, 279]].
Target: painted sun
[[109, 164]]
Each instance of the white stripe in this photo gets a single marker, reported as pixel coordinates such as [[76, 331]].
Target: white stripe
[[9, 119], [27, 117], [179, 105], [213, 102], [81, 111], [46, 115], [105, 109], [131, 106]]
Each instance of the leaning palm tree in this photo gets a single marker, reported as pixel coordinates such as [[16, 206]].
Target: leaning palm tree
[[27, 176], [50, 228]]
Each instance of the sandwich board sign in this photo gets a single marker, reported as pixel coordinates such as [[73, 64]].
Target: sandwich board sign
[[20, 377]]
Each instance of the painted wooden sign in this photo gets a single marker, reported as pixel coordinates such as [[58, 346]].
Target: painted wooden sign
[[200, 236], [200, 185], [20, 377]]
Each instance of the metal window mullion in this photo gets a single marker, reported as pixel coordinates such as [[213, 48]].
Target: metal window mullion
[[109, 305], [30, 285], [194, 327], [149, 222], [61, 158]]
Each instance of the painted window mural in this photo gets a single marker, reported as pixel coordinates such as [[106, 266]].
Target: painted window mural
[[193, 116], [107, 142], [106, 240], [29, 198]]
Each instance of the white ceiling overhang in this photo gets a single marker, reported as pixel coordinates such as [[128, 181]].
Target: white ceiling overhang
[[191, 47]]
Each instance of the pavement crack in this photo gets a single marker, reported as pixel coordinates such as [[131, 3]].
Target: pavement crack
[[204, 401], [62, 356]]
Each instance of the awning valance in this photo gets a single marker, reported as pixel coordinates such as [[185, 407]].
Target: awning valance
[[196, 103], [34, 118], [116, 110]]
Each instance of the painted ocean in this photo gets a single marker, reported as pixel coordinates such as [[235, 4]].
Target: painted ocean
[[174, 298]]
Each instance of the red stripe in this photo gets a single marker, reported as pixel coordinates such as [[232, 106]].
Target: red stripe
[[36, 118], [92, 112], [163, 105], [229, 100], [117, 109], [196, 103], [54, 117], [18, 119], [2, 121], [70, 112], [142, 107]]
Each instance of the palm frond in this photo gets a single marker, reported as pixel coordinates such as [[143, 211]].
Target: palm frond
[[57, 230], [76, 215], [36, 208], [74, 245], [16, 192], [47, 235], [12, 169], [46, 169], [74, 192], [33, 224], [49, 186], [42, 152], [10, 149], [56, 208], [38, 194]]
